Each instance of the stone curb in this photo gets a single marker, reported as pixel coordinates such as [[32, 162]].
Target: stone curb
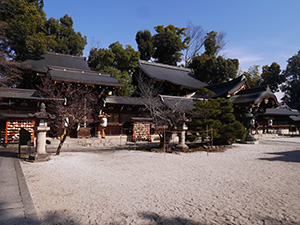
[[29, 209]]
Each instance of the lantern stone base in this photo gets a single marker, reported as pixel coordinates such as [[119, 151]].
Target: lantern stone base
[[182, 144], [250, 139], [41, 157]]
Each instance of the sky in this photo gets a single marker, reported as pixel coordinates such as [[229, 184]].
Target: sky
[[258, 32]]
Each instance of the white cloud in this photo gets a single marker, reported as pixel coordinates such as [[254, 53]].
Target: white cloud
[[245, 56]]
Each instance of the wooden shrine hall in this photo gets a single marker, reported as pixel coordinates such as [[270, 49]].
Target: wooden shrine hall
[[18, 102]]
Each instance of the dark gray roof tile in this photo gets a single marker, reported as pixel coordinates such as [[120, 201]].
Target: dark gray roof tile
[[17, 93], [83, 77], [172, 74], [56, 59], [121, 100], [229, 88]]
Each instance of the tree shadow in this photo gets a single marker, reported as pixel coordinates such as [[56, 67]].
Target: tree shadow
[[10, 215], [161, 220], [291, 156], [270, 220], [8, 153]]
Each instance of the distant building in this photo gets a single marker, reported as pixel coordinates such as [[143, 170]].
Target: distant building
[[18, 102], [172, 80]]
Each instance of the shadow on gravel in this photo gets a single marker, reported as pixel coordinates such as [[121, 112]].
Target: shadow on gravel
[[168, 221], [9, 154], [15, 216], [291, 156]]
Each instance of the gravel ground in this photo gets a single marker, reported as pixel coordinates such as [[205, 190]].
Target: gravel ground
[[247, 184]]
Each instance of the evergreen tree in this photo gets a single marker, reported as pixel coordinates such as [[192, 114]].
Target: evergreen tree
[[168, 43], [64, 39], [271, 76], [30, 34], [210, 68], [217, 114], [252, 76], [26, 28], [145, 44], [291, 86], [117, 60], [165, 46]]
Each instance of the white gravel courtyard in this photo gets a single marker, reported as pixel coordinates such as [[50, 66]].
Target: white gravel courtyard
[[248, 184]]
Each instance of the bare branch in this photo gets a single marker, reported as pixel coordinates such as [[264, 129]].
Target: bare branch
[[75, 102], [162, 114], [197, 38]]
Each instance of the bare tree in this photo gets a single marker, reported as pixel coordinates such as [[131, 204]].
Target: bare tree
[[72, 104], [221, 40], [197, 38], [172, 115]]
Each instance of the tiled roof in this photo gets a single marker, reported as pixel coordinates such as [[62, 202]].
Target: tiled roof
[[121, 100], [173, 74], [283, 110], [16, 93], [228, 88], [81, 76], [253, 98], [174, 102], [56, 59]]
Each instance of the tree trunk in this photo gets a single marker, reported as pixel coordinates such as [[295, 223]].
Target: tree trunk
[[61, 143], [165, 138]]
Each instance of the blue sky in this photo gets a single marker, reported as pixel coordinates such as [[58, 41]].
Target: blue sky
[[258, 32]]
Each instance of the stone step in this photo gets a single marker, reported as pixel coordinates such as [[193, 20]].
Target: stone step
[[110, 141]]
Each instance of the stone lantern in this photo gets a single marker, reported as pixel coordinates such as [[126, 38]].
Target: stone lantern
[[182, 129], [249, 123], [42, 116]]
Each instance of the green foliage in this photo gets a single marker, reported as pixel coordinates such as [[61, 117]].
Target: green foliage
[[205, 93], [271, 76], [126, 59], [116, 60], [30, 33], [64, 39], [165, 46], [124, 78], [252, 76], [26, 30], [145, 44], [291, 87], [217, 114], [212, 69], [168, 44], [210, 43], [100, 59]]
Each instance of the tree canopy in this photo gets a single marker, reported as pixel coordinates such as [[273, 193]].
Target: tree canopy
[[117, 60], [253, 76], [271, 76], [210, 68], [145, 44], [291, 87], [64, 39], [165, 46], [168, 43], [30, 34], [9, 70], [217, 114]]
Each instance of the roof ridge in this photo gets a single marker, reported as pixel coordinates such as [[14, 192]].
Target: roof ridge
[[17, 89], [66, 55], [91, 72], [237, 79], [165, 66]]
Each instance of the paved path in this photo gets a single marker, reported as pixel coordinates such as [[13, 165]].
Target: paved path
[[16, 206]]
